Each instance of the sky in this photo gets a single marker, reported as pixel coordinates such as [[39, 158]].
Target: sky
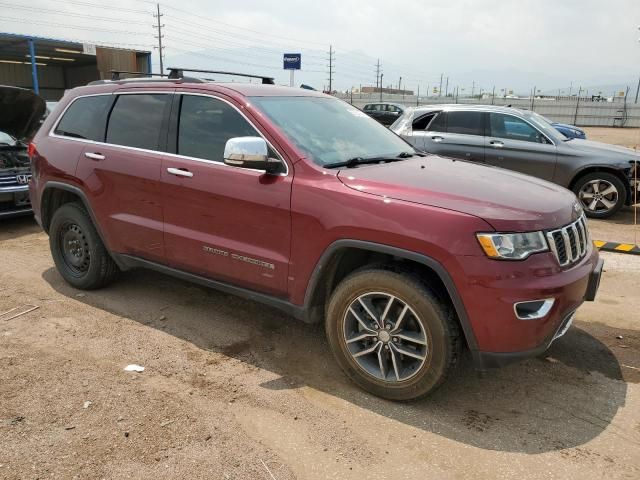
[[515, 45]]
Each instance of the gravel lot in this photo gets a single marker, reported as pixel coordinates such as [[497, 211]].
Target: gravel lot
[[234, 390]]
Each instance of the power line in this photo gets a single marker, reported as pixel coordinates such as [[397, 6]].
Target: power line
[[71, 14], [75, 27]]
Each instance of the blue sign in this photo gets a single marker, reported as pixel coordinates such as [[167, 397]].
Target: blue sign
[[292, 61]]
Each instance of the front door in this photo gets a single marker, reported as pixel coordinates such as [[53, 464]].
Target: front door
[[516, 145], [456, 134], [225, 223]]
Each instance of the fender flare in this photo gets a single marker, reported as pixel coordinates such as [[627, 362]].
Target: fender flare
[[420, 258]]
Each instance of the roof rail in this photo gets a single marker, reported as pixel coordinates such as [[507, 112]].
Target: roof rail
[[115, 74], [177, 73]]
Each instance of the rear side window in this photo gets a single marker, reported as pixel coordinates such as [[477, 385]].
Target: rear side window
[[136, 120], [467, 123], [368, 107], [85, 118], [423, 122], [205, 126]]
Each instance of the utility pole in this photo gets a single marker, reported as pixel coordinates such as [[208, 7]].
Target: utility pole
[[446, 89], [378, 74], [638, 90], [159, 27], [418, 97], [493, 95], [381, 75], [440, 89], [473, 88], [331, 54]]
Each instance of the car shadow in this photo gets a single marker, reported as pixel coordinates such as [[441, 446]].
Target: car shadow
[[15, 227], [626, 216], [561, 401]]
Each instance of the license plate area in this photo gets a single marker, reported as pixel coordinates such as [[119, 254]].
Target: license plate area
[[21, 199]]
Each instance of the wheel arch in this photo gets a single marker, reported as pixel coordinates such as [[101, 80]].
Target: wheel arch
[[605, 169], [344, 256]]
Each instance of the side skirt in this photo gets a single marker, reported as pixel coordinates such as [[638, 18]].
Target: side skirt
[[127, 262]]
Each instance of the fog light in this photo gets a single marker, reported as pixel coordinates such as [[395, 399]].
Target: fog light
[[533, 309]]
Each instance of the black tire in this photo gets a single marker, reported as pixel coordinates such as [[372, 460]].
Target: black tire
[[79, 254], [585, 194], [435, 314]]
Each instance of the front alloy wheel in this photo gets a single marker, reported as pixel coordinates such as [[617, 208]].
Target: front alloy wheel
[[385, 337], [602, 194]]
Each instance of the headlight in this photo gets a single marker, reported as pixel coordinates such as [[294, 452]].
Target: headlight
[[512, 246]]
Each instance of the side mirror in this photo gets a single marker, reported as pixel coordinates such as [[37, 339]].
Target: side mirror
[[250, 152]]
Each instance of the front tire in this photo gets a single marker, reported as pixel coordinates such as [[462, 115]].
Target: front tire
[[79, 254], [601, 194], [392, 334]]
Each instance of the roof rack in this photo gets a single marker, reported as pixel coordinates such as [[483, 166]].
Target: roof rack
[[115, 74], [176, 73]]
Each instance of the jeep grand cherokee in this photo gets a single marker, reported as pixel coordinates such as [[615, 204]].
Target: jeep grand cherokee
[[299, 200]]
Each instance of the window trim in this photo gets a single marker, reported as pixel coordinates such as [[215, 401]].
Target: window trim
[[136, 149]]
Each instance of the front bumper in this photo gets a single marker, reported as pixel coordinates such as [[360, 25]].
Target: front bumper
[[14, 201], [492, 289]]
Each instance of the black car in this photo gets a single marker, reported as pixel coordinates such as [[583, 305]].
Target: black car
[[385, 113], [22, 111]]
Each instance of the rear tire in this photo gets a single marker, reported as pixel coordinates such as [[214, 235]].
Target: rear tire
[[391, 354], [79, 254], [601, 194]]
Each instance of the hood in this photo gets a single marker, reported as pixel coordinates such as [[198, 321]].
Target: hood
[[507, 200], [564, 125], [21, 110], [591, 147]]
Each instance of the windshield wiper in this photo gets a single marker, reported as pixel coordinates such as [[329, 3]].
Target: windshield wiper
[[355, 161]]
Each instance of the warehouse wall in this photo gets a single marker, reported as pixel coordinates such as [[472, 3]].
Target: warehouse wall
[[50, 79]]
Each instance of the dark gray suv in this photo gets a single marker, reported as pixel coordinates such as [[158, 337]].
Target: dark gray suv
[[601, 175]]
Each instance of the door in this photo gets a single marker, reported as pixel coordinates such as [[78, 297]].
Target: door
[[515, 144], [457, 134], [122, 174], [226, 223]]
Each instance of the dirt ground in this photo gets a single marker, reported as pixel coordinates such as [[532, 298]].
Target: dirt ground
[[234, 390]]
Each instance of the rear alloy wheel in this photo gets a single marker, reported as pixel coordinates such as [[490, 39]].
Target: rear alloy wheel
[[601, 194], [392, 334]]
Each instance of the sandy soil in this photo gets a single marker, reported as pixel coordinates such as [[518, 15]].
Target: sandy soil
[[627, 137], [234, 390]]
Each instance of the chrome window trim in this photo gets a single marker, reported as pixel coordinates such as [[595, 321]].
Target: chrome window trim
[[175, 155]]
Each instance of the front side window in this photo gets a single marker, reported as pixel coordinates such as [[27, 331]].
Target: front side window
[[206, 124], [136, 120], [329, 130], [466, 123], [513, 128], [85, 118]]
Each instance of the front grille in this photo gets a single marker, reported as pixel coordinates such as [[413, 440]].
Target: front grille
[[569, 243], [14, 180]]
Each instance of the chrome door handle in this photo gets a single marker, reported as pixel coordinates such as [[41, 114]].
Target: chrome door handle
[[94, 156], [179, 172], [496, 144], [437, 138]]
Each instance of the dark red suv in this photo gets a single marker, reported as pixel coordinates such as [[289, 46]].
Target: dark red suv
[[299, 200]]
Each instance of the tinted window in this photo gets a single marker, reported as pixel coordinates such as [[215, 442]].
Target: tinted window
[[136, 120], [205, 126], [513, 128], [368, 107], [422, 122], [467, 123], [439, 124], [85, 118]]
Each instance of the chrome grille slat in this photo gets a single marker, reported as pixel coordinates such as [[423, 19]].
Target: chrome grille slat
[[569, 244]]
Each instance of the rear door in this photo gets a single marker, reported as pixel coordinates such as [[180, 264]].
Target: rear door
[[226, 223], [457, 134], [515, 144], [122, 173]]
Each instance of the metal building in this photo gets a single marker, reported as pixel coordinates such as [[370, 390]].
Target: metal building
[[51, 66]]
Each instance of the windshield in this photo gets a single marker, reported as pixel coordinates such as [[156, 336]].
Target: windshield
[[544, 125], [329, 130]]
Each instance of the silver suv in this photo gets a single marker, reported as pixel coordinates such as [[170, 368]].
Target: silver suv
[[601, 175]]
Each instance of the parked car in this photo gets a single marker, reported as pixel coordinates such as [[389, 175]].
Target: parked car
[[299, 200], [385, 113], [21, 113], [569, 131], [601, 175]]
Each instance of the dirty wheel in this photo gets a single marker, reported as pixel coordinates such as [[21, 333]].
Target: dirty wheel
[[392, 334], [77, 250]]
